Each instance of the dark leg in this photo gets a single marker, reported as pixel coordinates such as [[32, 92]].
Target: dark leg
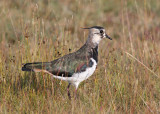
[[69, 96]]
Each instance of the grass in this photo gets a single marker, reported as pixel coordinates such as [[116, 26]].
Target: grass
[[127, 79]]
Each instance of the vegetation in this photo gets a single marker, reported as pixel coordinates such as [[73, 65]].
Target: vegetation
[[127, 79]]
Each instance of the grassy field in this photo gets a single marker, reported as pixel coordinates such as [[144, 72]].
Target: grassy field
[[127, 79]]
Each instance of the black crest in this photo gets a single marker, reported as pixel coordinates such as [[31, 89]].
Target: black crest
[[96, 27]]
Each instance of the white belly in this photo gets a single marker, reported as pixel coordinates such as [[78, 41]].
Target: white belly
[[79, 77], [86, 74]]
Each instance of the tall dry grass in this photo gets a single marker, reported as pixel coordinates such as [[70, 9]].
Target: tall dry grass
[[127, 79]]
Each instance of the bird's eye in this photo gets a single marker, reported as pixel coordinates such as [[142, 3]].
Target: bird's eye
[[101, 31]]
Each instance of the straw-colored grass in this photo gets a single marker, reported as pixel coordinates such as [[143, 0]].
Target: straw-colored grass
[[127, 79]]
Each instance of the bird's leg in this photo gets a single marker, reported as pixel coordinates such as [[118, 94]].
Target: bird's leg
[[69, 96], [75, 93]]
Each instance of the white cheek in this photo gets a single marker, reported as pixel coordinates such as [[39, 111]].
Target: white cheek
[[96, 39]]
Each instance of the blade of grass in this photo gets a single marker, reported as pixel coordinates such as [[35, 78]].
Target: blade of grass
[[142, 64], [146, 104]]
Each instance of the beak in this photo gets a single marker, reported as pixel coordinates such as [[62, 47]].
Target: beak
[[108, 37]]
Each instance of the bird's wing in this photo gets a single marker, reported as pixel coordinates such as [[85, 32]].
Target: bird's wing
[[69, 64]]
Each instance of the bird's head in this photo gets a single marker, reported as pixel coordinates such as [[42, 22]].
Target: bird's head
[[96, 34]]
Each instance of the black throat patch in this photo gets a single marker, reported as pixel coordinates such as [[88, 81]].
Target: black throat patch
[[94, 53]]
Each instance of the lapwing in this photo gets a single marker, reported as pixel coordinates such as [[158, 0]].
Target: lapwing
[[74, 67]]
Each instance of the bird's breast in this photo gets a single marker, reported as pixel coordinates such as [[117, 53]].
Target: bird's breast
[[87, 73]]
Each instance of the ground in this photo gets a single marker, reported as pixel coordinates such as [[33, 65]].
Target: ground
[[127, 78]]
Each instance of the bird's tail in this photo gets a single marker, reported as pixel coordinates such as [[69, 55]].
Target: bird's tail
[[36, 66]]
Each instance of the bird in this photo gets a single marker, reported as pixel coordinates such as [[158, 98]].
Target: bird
[[74, 67]]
